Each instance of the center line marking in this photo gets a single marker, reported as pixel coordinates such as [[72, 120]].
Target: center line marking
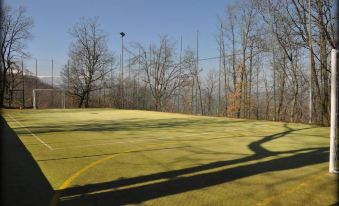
[[36, 137]]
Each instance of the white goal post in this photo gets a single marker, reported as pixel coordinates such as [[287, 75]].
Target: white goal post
[[333, 163], [62, 99]]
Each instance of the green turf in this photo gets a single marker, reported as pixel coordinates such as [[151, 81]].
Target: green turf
[[173, 159]]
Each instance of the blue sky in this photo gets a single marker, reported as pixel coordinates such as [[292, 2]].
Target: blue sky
[[142, 21]]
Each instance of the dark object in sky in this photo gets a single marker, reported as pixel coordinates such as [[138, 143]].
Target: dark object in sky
[[122, 34]]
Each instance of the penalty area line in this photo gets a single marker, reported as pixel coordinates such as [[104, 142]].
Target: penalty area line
[[36, 137]]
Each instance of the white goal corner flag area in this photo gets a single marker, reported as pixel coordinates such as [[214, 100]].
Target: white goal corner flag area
[[333, 162]]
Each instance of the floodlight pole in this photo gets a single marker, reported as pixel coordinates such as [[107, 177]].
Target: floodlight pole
[[333, 164], [310, 62], [219, 72], [122, 68], [67, 90], [23, 84], [179, 86], [36, 73], [196, 74], [52, 74], [111, 85], [138, 77]]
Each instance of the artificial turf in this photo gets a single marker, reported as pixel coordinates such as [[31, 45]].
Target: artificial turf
[[118, 157]]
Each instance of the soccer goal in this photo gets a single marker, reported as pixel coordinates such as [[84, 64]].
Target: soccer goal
[[333, 164], [49, 98]]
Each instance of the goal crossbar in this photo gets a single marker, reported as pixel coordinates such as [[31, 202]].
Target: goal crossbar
[[63, 98]]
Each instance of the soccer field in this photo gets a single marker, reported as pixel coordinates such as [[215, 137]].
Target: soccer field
[[119, 157]]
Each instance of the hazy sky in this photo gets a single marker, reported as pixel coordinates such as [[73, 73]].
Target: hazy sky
[[142, 21]]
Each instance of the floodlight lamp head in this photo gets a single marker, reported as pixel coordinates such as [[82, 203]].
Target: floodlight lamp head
[[122, 34]]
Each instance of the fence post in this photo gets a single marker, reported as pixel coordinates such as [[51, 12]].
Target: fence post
[[34, 103]]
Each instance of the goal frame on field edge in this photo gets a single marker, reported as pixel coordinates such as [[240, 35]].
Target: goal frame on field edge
[[63, 96]]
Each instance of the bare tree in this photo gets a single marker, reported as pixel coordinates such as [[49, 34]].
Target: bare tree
[[14, 80], [162, 71], [210, 87], [15, 28], [89, 60], [231, 30]]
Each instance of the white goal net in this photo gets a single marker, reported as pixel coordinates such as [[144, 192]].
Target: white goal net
[[48, 98]]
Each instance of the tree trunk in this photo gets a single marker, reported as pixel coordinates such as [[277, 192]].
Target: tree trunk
[[295, 92], [87, 99], [200, 96], [81, 101], [257, 94], [323, 61], [3, 86], [250, 84], [240, 86]]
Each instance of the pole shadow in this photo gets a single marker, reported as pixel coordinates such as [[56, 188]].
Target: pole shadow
[[172, 182], [175, 185]]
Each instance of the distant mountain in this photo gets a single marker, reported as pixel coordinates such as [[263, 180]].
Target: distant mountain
[[57, 81]]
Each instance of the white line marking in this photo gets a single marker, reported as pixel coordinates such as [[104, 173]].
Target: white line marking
[[107, 143], [128, 141], [196, 134], [36, 137]]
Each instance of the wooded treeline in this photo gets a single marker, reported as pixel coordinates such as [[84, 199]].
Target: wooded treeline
[[273, 63]]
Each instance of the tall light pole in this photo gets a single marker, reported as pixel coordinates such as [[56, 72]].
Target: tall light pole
[[196, 73], [122, 69], [272, 39], [310, 61], [179, 91], [52, 74], [36, 73], [23, 84]]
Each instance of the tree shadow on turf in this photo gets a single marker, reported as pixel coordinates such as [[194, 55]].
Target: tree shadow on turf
[[22, 181], [131, 124], [172, 182]]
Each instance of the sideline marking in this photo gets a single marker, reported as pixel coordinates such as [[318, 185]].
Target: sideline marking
[[36, 137]]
